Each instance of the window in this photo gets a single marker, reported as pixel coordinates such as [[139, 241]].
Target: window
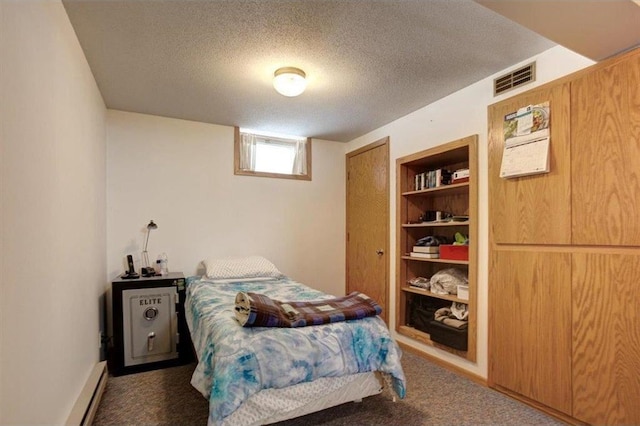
[[270, 156]]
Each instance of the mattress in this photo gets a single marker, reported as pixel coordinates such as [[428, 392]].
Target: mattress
[[238, 366]]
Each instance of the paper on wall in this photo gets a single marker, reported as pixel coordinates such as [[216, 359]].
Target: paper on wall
[[527, 141]]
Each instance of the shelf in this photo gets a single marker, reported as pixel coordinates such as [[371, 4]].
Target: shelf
[[423, 337], [434, 295], [460, 199], [434, 224], [420, 259], [455, 188]]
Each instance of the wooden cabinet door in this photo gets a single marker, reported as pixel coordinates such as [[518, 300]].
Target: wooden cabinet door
[[530, 325], [606, 341], [605, 150], [532, 209]]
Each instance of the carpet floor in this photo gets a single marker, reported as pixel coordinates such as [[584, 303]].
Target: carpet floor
[[435, 396]]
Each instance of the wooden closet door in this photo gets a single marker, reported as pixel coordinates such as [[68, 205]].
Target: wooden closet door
[[532, 209], [605, 147], [367, 268], [530, 325], [606, 341]]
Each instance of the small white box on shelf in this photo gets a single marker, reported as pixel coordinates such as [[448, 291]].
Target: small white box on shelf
[[460, 174], [463, 292]]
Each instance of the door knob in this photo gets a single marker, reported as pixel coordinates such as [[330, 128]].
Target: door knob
[[379, 252]]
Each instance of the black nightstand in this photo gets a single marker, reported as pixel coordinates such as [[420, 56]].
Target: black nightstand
[[149, 327]]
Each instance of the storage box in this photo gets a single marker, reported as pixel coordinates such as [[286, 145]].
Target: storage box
[[450, 336], [451, 252], [461, 180], [463, 292], [460, 174], [422, 312]]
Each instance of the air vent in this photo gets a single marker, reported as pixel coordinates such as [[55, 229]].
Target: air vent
[[514, 79]]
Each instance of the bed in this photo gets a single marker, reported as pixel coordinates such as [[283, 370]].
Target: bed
[[260, 375]]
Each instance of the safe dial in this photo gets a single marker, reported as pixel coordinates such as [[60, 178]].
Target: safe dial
[[150, 313]]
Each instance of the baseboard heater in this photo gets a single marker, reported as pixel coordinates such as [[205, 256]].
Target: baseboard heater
[[86, 406]]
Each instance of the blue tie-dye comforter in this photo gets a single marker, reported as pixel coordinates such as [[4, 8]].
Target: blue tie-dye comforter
[[236, 362]]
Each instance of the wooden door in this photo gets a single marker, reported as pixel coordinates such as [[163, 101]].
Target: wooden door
[[605, 163], [530, 325], [606, 340], [532, 209], [368, 222]]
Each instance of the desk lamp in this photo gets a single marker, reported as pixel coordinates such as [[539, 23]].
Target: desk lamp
[[147, 270]]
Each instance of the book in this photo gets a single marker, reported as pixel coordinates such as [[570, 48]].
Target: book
[[443, 177], [425, 255], [460, 180], [432, 179], [418, 287], [426, 249], [460, 174]]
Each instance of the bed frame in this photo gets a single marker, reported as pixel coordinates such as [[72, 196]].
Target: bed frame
[[274, 405]]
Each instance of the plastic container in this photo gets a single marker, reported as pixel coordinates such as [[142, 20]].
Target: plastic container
[[162, 264], [453, 337], [451, 252]]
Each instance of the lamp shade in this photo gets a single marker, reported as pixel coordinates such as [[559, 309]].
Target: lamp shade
[[289, 81]]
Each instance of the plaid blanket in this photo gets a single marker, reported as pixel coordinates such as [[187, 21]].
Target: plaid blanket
[[258, 310]]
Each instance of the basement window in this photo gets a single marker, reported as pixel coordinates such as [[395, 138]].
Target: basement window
[[260, 154]]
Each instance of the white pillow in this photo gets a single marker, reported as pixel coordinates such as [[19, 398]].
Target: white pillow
[[240, 267], [242, 280]]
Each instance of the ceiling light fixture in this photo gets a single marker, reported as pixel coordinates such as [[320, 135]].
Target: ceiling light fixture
[[289, 81]]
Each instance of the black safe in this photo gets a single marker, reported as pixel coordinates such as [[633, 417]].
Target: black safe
[[149, 328]]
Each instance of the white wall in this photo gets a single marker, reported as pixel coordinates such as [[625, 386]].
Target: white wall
[[52, 214], [180, 174], [462, 114]]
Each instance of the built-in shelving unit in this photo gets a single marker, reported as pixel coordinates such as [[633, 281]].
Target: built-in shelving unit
[[459, 199]]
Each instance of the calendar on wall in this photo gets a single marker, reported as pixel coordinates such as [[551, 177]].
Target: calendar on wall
[[526, 142]]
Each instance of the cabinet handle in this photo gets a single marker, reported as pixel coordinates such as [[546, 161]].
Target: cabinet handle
[[150, 339], [379, 252]]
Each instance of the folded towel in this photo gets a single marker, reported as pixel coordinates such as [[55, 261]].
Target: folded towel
[[258, 310], [445, 316]]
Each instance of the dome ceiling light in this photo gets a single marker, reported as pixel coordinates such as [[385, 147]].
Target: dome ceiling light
[[289, 81]]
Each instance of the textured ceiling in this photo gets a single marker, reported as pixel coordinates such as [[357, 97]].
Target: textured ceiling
[[368, 62]]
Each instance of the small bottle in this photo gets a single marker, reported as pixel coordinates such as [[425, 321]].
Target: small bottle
[[162, 264]]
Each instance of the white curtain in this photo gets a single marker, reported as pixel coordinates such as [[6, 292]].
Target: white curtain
[[247, 151], [300, 159]]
